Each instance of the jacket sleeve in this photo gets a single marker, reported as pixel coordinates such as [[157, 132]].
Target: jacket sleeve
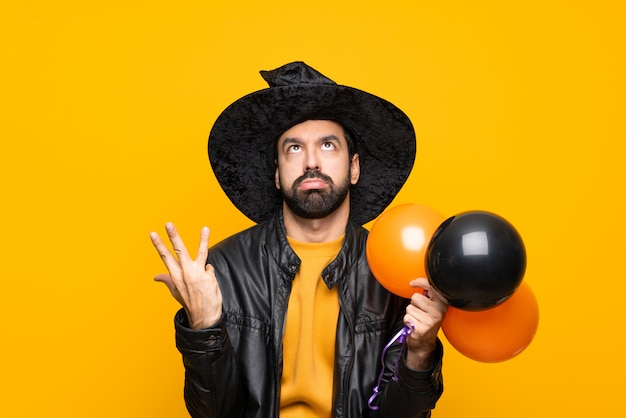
[[212, 384], [411, 393]]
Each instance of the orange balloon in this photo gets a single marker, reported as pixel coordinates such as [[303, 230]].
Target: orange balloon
[[397, 243], [496, 334]]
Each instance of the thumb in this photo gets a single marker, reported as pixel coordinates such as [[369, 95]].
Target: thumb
[[163, 278], [166, 279]]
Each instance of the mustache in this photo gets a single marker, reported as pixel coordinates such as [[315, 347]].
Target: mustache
[[312, 175]]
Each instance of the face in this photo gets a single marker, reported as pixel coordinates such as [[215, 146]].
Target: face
[[314, 169]]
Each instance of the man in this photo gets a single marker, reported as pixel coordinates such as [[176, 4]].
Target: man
[[286, 317]]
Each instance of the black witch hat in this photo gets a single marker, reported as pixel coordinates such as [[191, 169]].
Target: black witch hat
[[242, 138]]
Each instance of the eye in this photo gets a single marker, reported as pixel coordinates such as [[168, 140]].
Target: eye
[[293, 148], [329, 146]]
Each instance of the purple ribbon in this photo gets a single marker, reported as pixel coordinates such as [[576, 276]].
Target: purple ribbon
[[400, 337]]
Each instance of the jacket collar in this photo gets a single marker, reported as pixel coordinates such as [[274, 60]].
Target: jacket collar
[[336, 271]]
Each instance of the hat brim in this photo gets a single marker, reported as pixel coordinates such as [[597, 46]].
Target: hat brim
[[240, 145]]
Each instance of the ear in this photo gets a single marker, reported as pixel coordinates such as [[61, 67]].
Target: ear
[[355, 169], [276, 176]]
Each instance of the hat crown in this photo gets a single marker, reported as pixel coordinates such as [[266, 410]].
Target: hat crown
[[294, 73]]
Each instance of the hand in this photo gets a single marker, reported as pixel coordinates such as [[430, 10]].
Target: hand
[[191, 282], [424, 316]]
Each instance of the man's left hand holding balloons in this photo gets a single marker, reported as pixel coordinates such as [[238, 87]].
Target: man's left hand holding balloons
[[424, 317]]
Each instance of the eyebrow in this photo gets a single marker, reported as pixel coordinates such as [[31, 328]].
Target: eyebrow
[[296, 140]]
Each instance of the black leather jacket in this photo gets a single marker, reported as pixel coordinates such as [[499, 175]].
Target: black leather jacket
[[234, 368]]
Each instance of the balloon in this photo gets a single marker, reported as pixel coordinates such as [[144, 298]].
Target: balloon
[[476, 260], [495, 334], [396, 246]]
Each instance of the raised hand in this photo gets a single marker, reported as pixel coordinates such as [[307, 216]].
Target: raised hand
[[191, 282]]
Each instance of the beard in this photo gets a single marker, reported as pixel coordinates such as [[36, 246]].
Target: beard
[[316, 204]]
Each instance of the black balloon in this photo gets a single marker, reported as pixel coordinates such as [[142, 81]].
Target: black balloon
[[476, 260]]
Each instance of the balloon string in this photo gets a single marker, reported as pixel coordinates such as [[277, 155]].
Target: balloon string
[[400, 337]]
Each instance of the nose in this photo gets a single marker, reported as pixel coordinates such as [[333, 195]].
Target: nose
[[312, 161]]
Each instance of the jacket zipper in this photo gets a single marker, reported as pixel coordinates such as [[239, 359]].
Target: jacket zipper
[[348, 371]]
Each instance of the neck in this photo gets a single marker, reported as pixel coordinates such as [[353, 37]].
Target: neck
[[325, 229]]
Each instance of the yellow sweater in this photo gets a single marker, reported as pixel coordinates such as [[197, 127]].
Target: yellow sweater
[[309, 340]]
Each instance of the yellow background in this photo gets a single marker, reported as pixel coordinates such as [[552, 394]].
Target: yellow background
[[106, 108]]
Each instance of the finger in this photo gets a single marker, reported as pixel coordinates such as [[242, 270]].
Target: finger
[[427, 307], [164, 252], [425, 314], [177, 242], [422, 286], [431, 305], [203, 250], [156, 240], [428, 291], [419, 325], [420, 282], [166, 279], [163, 278]]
